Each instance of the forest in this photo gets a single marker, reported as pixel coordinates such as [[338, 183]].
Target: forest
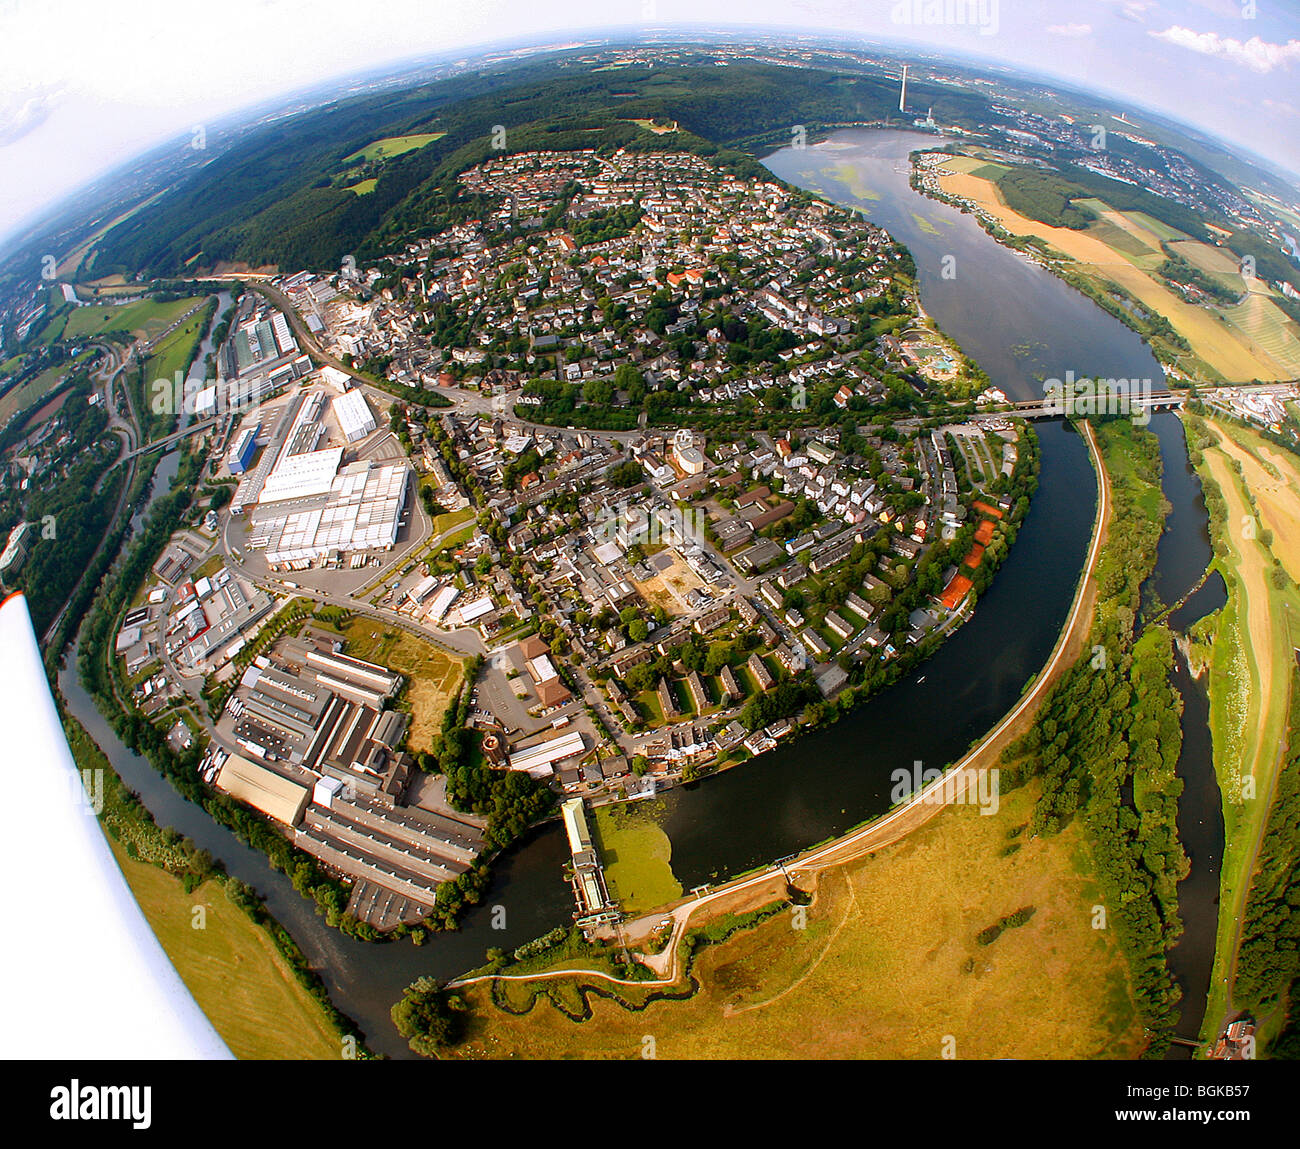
[[274, 197], [1047, 197]]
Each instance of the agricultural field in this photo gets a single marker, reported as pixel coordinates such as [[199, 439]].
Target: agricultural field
[[1230, 352], [1250, 667], [1261, 322], [432, 676], [392, 146], [146, 319], [1273, 478], [637, 856], [232, 968], [894, 960]]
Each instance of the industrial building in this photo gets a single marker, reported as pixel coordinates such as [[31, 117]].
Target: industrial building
[[307, 505], [333, 769], [539, 761], [263, 789], [225, 608], [15, 551], [315, 512], [588, 878], [354, 415], [243, 450]]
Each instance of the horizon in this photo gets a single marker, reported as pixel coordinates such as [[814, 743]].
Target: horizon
[[65, 139]]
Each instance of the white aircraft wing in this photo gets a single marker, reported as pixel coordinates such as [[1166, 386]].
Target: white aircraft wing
[[85, 976]]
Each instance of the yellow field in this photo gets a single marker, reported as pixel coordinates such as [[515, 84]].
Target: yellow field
[[1260, 716], [1273, 477], [233, 969], [1217, 261], [1235, 356], [1249, 678], [887, 966], [432, 675], [1264, 325]]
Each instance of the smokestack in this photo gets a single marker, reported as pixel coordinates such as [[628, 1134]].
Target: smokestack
[[902, 94]]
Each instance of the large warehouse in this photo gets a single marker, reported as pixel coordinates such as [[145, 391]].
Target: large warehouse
[[263, 789], [313, 511], [356, 420]]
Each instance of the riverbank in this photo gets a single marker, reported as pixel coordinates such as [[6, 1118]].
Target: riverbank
[[1086, 260], [1250, 674], [907, 953]]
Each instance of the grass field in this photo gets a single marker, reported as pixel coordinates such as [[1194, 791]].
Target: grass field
[[1265, 325], [391, 146], [146, 318], [637, 855], [21, 398], [1217, 262], [1249, 685], [1232, 353], [449, 519], [170, 355], [365, 187], [886, 966], [233, 969], [432, 675]]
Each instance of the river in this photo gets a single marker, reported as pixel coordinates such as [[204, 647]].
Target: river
[[826, 782], [1185, 551]]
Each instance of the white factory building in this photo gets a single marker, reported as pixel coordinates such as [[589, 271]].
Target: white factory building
[[314, 511], [354, 416]]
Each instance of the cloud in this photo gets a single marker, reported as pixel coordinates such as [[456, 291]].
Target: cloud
[[1134, 10], [1256, 54], [22, 112], [1072, 30]]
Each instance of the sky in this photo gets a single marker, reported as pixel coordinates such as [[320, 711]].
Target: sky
[[87, 84]]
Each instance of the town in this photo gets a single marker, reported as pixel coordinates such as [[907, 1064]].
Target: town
[[630, 606]]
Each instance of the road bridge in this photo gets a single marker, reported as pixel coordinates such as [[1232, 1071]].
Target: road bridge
[[172, 439]]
